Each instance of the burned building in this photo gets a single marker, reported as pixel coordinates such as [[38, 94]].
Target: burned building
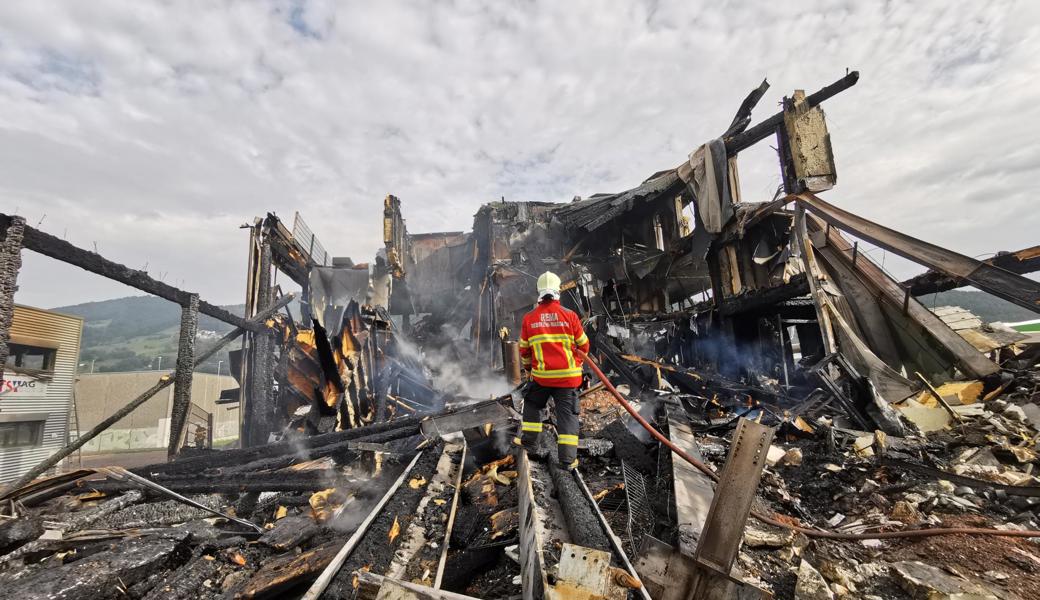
[[767, 412]]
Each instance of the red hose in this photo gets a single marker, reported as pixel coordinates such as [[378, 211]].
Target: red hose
[[771, 518]]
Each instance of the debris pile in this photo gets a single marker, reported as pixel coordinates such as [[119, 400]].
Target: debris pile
[[766, 412]]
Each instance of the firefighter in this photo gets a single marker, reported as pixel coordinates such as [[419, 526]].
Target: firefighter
[[548, 336]]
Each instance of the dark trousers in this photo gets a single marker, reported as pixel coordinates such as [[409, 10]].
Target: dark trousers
[[567, 407]]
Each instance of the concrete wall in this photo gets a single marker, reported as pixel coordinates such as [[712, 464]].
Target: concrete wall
[[101, 394]]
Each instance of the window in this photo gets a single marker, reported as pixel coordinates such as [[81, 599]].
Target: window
[[21, 434], [31, 357]]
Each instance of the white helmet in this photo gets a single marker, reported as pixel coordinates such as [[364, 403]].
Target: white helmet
[[548, 285]]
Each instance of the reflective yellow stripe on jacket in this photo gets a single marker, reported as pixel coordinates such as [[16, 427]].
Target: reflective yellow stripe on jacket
[[568, 342]]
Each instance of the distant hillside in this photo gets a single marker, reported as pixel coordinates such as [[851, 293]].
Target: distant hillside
[[989, 308], [130, 334]]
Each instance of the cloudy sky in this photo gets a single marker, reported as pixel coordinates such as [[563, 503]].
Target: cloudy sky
[[153, 129]]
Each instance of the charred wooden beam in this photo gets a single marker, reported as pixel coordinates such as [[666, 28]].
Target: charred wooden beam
[[244, 482], [258, 408], [766, 128], [48, 245], [240, 456], [236, 457], [164, 381], [183, 374], [1022, 262], [280, 574], [580, 519], [743, 117], [338, 449], [119, 473], [987, 277], [11, 233], [533, 577]]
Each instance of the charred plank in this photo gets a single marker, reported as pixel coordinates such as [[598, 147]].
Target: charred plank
[[48, 245], [1022, 262]]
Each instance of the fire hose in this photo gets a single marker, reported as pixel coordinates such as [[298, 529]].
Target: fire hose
[[772, 519]]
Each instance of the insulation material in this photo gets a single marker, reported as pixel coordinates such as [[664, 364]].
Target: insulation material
[[810, 144]]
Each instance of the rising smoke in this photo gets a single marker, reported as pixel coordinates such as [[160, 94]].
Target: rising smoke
[[450, 374]]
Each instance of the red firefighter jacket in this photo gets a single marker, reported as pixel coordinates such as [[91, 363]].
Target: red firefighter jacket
[[548, 336]]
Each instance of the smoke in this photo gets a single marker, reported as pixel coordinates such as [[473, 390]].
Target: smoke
[[362, 500], [449, 373], [451, 377]]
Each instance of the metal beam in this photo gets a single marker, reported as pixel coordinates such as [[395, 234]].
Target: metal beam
[[1004, 284], [838, 250], [812, 273], [330, 572], [11, 230], [694, 491], [48, 245], [183, 374], [724, 529], [396, 589]]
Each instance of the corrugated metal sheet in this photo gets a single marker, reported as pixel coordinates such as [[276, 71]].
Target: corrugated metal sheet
[[65, 332]]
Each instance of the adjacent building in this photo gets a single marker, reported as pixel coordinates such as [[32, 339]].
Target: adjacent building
[[98, 395], [36, 395]]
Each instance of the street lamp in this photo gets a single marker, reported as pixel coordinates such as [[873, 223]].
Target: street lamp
[[160, 363]]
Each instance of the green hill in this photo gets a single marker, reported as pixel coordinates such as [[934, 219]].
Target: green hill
[[130, 334], [988, 308]]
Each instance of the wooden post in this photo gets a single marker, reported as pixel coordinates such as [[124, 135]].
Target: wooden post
[[10, 262], [183, 374], [258, 405]]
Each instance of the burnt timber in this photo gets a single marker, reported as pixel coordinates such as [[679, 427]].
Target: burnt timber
[[777, 412]]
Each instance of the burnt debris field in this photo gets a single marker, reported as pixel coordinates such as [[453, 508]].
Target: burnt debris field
[[765, 411]]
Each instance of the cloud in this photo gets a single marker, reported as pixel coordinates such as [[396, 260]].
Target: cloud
[[156, 129]]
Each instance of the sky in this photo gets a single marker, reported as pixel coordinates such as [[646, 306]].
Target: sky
[[152, 130]]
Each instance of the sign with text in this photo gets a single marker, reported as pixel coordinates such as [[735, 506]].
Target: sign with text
[[20, 386]]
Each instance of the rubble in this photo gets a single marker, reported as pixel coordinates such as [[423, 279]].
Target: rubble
[[811, 585], [926, 581], [765, 411]]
